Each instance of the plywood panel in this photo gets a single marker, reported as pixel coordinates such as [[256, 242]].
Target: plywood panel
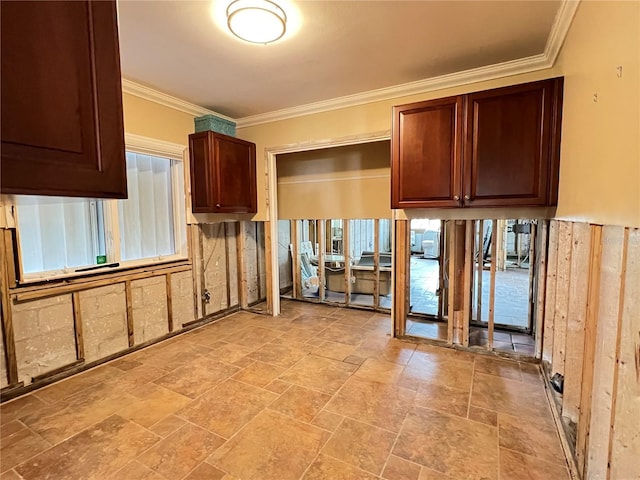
[[576, 315], [563, 276], [625, 447], [605, 352]]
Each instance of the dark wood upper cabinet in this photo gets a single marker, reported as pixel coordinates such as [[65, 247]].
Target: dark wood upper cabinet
[[223, 174], [503, 147], [426, 159], [62, 125]]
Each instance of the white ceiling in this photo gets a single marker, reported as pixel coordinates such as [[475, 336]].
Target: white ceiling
[[340, 48]]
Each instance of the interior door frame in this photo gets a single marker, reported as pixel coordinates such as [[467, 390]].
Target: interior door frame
[[271, 240]]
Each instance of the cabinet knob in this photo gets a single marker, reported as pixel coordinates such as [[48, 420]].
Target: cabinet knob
[[467, 197], [218, 205], [456, 198]]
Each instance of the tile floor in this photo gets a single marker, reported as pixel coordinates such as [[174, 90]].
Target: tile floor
[[320, 393]]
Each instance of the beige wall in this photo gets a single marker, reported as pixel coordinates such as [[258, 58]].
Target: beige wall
[[153, 120], [351, 181], [600, 161]]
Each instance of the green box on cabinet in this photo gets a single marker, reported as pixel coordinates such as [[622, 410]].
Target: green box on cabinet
[[215, 124]]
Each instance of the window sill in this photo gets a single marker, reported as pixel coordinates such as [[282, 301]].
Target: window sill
[[113, 273]]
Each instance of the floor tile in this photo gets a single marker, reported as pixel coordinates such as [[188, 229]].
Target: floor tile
[[482, 415], [136, 471], [530, 372], [300, 403], [380, 371], [318, 373], [10, 475], [448, 444], [78, 383], [342, 334], [271, 446], [167, 426], [258, 374], [327, 420], [360, 445], [536, 439], [93, 454], [325, 467], [280, 355], [450, 373], [399, 469], [18, 408], [313, 322], [197, 377], [230, 353], [20, 446], [234, 404], [337, 351], [516, 398], [60, 421], [443, 399], [387, 348], [204, 471], [278, 386], [252, 337], [152, 404], [516, 466], [428, 474], [379, 404], [182, 451], [501, 368]]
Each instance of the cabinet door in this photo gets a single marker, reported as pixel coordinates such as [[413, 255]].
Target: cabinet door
[[511, 145], [62, 127], [234, 175], [200, 167], [426, 154]]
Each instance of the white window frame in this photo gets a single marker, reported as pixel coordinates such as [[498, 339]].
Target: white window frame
[[146, 146]]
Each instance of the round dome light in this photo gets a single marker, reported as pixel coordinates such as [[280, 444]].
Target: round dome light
[[256, 21]]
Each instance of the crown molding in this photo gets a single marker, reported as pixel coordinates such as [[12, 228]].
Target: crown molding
[[146, 93], [151, 146], [489, 72], [560, 28], [534, 63], [556, 37]]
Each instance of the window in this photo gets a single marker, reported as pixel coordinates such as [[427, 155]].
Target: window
[[62, 236]]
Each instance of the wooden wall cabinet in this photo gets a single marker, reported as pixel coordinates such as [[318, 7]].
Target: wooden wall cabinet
[[223, 174], [495, 148], [62, 125]]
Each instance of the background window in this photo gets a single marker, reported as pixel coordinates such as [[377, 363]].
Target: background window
[[59, 233], [146, 217]]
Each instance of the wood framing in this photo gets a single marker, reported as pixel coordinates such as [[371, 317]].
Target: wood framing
[[480, 269], [376, 264], [400, 276], [624, 444], [451, 248], [322, 247], [242, 270], [295, 259], [591, 321], [7, 319], [129, 300], [203, 283], [563, 277], [169, 302], [542, 233], [533, 259], [492, 285], [550, 293], [226, 263], [193, 252], [604, 365], [267, 265], [576, 319], [346, 252], [77, 326], [468, 276]]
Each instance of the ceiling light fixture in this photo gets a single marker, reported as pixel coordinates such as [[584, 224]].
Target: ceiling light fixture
[[256, 21]]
